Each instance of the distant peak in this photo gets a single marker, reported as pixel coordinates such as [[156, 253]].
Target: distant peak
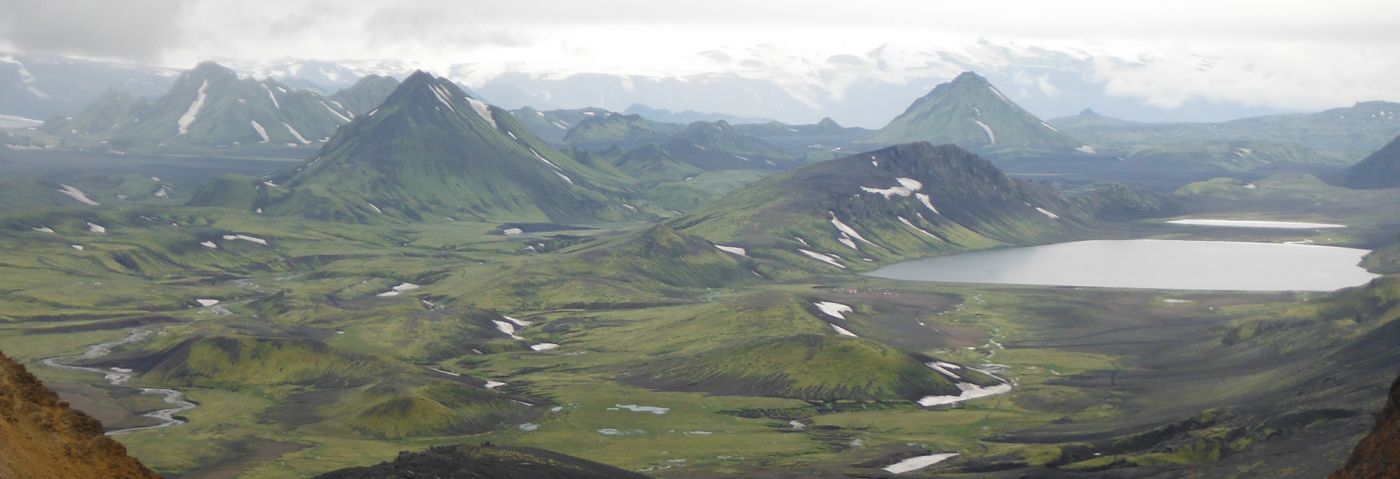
[[419, 76], [1089, 112], [209, 68], [827, 122], [970, 77]]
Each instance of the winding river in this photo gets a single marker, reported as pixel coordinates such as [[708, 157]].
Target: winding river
[[120, 376]]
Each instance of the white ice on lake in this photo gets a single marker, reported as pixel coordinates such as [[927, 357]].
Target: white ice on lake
[[1047, 213], [207, 302], [543, 346], [43, 229], [209, 244], [96, 228], [493, 384], [843, 331]]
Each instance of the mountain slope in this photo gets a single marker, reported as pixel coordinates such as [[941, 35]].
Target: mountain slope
[[41, 437], [430, 148], [42, 86], [553, 125], [1350, 132], [1380, 170], [719, 146], [367, 93], [973, 114], [485, 461], [210, 106], [610, 130], [823, 134], [109, 112], [645, 163], [905, 200]]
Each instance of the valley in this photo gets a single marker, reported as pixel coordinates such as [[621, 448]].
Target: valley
[[245, 277], [1094, 372]]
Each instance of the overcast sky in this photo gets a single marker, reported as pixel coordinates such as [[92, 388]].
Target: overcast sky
[[1287, 54]]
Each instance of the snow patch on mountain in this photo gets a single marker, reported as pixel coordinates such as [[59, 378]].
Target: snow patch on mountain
[[821, 257], [991, 136], [296, 134], [732, 250], [261, 131], [923, 198], [484, 110], [336, 113], [77, 194], [192, 113]]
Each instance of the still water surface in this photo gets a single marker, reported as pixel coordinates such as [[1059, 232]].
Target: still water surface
[[1156, 264]]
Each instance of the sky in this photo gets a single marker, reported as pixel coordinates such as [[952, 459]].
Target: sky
[[1280, 54]]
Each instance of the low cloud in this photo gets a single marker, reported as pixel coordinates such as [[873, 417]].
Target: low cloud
[[135, 30]]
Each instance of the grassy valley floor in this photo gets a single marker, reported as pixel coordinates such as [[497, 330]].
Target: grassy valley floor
[[326, 369]]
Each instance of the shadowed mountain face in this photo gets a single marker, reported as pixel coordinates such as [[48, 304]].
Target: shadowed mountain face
[[432, 149], [971, 113], [41, 437], [485, 461], [1378, 455], [1380, 170]]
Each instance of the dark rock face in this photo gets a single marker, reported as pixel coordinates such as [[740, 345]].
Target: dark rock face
[[1378, 455]]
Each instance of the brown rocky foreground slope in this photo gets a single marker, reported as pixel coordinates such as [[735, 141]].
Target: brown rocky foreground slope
[[41, 437], [1378, 455]]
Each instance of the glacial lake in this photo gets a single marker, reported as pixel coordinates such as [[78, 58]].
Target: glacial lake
[[1153, 264]]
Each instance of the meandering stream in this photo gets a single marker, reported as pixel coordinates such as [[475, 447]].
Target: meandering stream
[[120, 376]]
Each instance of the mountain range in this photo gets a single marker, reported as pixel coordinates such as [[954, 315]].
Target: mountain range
[[430, 148], [211, 106]]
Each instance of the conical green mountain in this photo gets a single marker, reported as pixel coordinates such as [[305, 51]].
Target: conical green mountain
[[897, 202], [212, 106], [432, 149], [1380, 170], [971, 113]]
